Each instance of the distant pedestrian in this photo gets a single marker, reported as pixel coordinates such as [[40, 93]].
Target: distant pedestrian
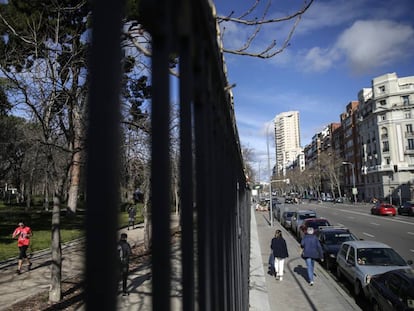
[[311, 250], [280, 252], [23, 234], [132, 213], [124, 251]]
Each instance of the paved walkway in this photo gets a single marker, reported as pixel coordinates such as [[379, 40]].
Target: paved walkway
[[266, 294], [294, 292]]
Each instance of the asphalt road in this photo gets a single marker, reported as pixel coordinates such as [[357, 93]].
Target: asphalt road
[[397, 231]]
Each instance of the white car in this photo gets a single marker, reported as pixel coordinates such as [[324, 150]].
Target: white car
[[358, 261]]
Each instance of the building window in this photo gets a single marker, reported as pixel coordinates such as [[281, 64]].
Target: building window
[[382, 89], [383, 117], [405, 100], [410, 142], [408, 115], [387, 160], [382, 102], [385, 146], [409, 128]]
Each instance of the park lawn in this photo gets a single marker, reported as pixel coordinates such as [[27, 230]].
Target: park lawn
[[40, 222]]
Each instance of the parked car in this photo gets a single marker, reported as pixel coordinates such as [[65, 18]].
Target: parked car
[[358, 261], [286, 219], [407, 208], [298, 217], [392, 290], [339, 200], [384, 209], [315, 223], [289, 200], [331, 238]]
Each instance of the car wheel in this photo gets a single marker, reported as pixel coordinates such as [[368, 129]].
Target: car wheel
[[327, 264], [375, 306], [358, 289], [338, 273]]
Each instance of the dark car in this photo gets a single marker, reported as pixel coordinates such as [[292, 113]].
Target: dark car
[[286, 219], [331, 239], [289, 200], [393, 290], [407, 208], [314, 223], [384, 209]]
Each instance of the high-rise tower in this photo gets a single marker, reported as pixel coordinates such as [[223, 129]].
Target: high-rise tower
[[287, 140]]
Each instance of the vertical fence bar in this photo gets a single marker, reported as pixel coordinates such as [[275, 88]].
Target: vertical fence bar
[[186, 154], [160, 155], [103, 157]]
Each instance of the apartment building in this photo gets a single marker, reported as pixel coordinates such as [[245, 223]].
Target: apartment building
[[386, 137], [350, 150], [287, 140]]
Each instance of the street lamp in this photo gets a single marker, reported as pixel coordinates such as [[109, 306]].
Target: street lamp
[[353, 179], [268, 168]]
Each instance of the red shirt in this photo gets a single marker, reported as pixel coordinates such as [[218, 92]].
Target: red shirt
[[24, 234]]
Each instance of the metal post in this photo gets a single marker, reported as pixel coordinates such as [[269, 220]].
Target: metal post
[[270, 181], [353, 179]]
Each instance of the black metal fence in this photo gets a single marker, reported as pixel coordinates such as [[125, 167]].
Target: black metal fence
[[215, 209]]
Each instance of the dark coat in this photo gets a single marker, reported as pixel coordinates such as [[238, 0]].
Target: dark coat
[[279, 247], [311, 247]]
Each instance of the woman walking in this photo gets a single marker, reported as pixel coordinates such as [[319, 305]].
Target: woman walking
[[280, 252], [311, 250]]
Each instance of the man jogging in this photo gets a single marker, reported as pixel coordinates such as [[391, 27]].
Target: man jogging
[[23, 234]]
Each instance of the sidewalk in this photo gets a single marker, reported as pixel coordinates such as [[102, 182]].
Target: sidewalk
[[266, 294], [15, 288], [294, 292]]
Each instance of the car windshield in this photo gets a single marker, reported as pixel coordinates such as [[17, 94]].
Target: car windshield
[[306, 216], [317, 224], [379, 257], [335, 238], [288, 214]]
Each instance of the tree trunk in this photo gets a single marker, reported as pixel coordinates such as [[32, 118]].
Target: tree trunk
[[75, 170], [73, 192], [55, 294]]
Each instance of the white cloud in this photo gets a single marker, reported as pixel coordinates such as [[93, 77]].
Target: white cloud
[[371, 44], [364, 46]]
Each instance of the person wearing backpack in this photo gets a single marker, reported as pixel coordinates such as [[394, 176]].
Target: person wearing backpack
[[124, 251]]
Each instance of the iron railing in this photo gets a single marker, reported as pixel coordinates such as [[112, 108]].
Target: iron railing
[[215, 209]]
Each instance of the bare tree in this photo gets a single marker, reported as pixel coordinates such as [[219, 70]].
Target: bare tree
[[253, 20]]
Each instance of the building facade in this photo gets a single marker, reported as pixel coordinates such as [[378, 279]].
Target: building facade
[[386, 135], [287, 140]]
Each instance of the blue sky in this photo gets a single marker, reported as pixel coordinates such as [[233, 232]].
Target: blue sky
[[337, 49]]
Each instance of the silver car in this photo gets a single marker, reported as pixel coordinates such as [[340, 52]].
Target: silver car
[[358, 261], [298, 217]]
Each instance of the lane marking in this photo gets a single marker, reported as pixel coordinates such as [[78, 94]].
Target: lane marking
[[412, 233], [412, 250], [375, 224], [383, 218], [367, 234]]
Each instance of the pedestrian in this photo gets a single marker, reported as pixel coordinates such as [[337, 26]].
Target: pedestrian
[[124, 251], [280, 252], [132, 213], [23, 234], [311, 251]]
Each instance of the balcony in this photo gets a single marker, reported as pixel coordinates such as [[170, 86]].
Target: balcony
[[409, 134], [379, 168], [409, 150]]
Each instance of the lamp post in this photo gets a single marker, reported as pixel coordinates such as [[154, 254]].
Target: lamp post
[[270, 183], [353, 179]]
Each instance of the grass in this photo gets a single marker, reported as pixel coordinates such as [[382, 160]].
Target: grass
[[40, 221]]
